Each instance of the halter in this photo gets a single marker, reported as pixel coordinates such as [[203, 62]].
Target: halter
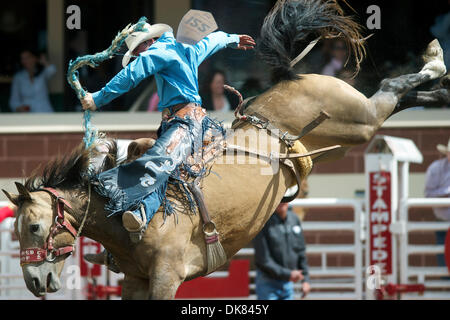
[[49, 252]]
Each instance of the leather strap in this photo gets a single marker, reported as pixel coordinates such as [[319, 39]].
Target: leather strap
[[261, 122], [298, 179], [198, 196], [31, 255], [212, 236], [280, 155]]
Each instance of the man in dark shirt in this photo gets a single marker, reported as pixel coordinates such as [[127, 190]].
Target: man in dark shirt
[[280, 256]]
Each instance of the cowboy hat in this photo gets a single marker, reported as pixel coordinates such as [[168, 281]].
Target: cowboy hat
[[136, 38], [444, 149]]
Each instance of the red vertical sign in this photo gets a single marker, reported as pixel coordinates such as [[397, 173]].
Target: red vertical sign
[[379, 220]]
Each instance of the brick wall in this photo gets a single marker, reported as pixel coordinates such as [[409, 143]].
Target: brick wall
[[21, 153]]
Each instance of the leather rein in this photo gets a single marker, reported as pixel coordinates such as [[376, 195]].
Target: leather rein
[[49, 252]]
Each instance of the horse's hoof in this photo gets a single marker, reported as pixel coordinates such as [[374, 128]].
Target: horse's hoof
[[434, 61]]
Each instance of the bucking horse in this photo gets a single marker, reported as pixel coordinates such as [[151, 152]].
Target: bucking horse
[[57, 204]]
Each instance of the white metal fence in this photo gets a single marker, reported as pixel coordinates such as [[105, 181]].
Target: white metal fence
[[435, 279]]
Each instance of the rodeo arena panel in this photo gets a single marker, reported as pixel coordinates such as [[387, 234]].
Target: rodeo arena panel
[[227, 183]]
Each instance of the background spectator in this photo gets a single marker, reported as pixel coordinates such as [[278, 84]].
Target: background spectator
[[215, 97], [437, 184], [29, 91], [280, 256]]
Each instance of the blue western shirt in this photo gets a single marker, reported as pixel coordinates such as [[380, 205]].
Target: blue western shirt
[[174, 65]]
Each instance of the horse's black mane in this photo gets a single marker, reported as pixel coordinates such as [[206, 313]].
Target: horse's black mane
[[71, 170]]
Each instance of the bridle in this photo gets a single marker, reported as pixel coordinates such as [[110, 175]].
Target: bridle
[[49, 252]]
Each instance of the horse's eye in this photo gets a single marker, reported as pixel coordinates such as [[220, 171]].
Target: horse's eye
[[34, 228]]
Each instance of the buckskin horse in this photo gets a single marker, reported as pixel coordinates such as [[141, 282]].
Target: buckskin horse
[[57, 205]]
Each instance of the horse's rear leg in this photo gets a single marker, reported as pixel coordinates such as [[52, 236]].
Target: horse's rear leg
[[392, 90], [435, 99]]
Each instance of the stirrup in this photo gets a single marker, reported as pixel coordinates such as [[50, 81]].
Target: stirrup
[[111, 263], [136, 237]]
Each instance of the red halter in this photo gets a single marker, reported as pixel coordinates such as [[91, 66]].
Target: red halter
[[49, 253]]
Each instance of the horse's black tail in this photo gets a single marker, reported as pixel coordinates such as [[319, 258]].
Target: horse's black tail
[[291, 24]]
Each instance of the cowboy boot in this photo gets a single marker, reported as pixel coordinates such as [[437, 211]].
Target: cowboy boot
[[135, 224], [103, 258]]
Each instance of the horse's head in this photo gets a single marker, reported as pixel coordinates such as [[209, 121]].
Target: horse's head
[[43, 247]]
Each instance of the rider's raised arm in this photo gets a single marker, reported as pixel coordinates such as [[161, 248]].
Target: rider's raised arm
[[213, 43], [145, 65]]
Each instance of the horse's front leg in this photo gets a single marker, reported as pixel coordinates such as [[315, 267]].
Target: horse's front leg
[[165, 276], [134, 288]]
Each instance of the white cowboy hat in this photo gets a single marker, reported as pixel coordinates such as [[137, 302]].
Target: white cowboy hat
[[444, 149], [136, 38]]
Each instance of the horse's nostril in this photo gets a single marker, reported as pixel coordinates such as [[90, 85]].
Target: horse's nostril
[[34, 228]]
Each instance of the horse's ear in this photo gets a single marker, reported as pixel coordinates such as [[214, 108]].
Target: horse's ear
[[23, 192], [14, 198]]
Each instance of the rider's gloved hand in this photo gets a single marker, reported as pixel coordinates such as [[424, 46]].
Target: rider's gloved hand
[[88, 102]]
